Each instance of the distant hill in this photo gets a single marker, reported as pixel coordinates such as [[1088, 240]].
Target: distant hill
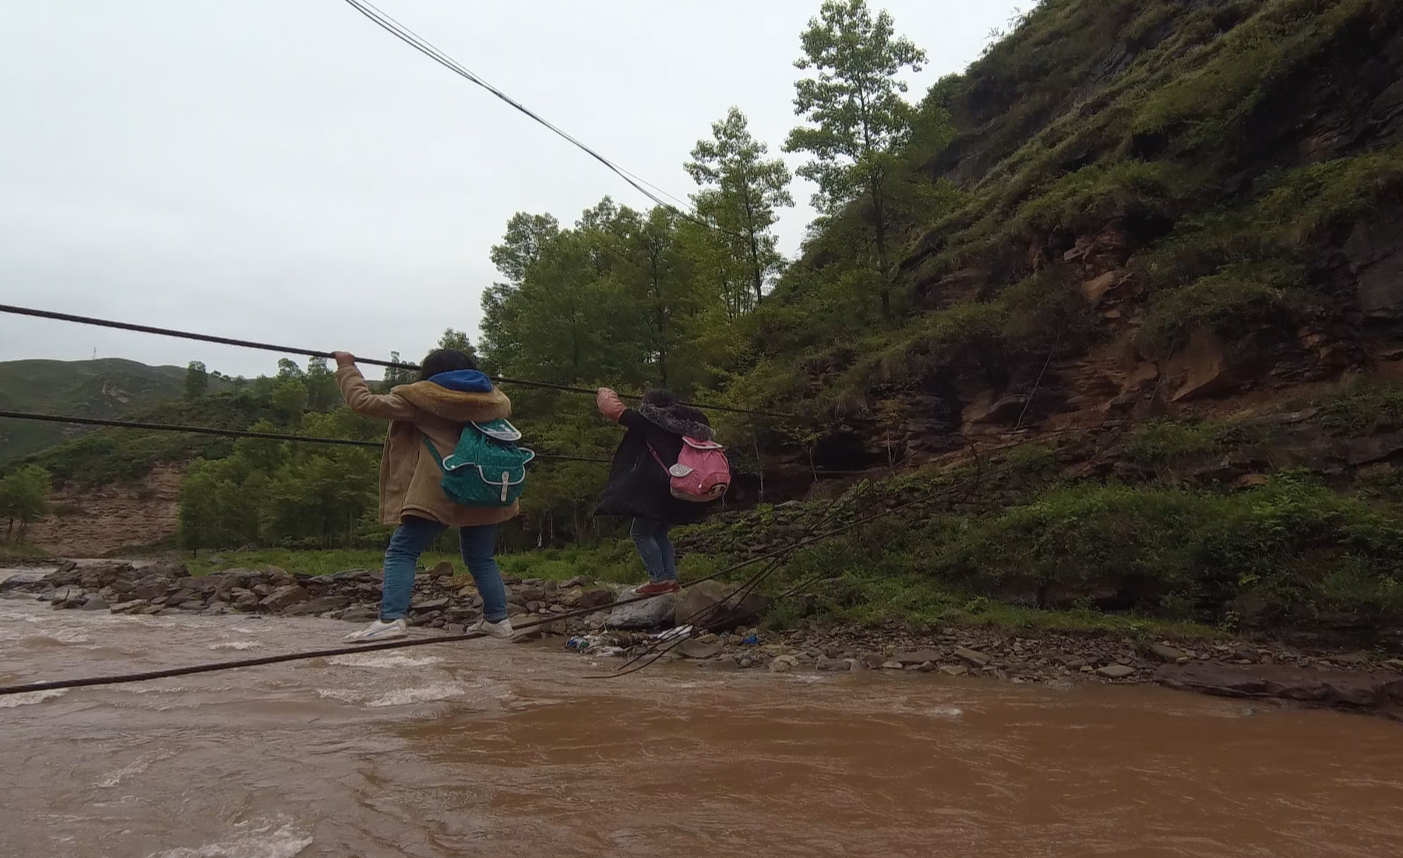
[[106, 388]]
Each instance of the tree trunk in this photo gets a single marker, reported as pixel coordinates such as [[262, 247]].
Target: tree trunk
[[880, 228]]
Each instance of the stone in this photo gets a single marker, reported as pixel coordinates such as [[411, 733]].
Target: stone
[[179, 598], [1115, 671], [577, 581], [873, 660], [708, 605], [954, 669], [654, 613], [444, 569], [360, 614], [592, 599], [129, 607], [784, 664], [698, 650], [1394, 664], [68, 597], [832, 665], [283, 598], [916, 658], [1203, 367], [421, 604], [1353, 659], [974, 657], [247, 602], [892, 664], [1096, 289], [926, 667], [313, 607], [94, 603], [725, 662], [1341, 689]]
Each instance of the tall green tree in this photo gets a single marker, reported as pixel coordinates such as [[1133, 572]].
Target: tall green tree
[[458, 340], [24, 498], [859, 118], [741, 191], [396, 375], [196, 380], [320, 382], [657, 282], [559, 313], [289, 400]]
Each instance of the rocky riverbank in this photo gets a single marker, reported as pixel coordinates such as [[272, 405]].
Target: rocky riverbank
[[584, 612]]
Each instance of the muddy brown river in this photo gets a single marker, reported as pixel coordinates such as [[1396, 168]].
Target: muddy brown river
[[498, 749]]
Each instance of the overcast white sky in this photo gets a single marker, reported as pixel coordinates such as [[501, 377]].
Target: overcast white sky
[[284, 170]]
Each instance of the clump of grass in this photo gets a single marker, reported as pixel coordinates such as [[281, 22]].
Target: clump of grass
[[1310, 201], [1035, 459], [1233, 301], [1365, 406], [1162, 442], [1096, 194]]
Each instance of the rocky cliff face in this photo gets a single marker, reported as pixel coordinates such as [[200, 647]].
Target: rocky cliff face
[[1159, 208], [94, 521]]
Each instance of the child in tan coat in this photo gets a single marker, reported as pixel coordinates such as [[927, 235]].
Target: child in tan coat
[[449, 394]]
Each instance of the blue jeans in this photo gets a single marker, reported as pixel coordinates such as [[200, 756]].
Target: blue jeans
[[412, 538], [655, 548]]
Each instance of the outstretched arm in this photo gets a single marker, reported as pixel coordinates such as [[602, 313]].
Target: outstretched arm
[[609, 403], [358, 396]]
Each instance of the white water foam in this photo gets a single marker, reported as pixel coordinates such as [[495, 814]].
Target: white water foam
[[384, 660], [137, 768], [427, 694], [285, 842], [399, 697], [31, 697], [239, 645]]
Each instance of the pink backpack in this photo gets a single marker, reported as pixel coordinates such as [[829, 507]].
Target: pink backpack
[[702, 473]]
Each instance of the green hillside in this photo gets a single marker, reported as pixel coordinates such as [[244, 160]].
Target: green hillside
[[106, 388]]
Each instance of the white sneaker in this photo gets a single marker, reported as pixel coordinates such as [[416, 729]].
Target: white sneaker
[[501, 629], [379, 631]]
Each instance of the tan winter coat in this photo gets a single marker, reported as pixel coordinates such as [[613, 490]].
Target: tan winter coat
[[409, 476]]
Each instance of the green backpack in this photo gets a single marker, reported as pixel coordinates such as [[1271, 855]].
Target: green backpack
[[487, 468]]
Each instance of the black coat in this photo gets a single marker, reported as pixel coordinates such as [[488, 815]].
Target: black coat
[[638, 484]]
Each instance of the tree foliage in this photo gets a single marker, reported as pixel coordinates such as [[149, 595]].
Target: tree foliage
[[196, 380], [24, 498], [741, 193], [860, 120]]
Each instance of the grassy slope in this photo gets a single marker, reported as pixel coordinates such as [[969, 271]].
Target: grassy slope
[[1188, 125], [106, 388], [106, 456]]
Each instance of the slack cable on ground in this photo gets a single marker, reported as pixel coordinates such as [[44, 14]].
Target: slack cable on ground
[[315, 353]]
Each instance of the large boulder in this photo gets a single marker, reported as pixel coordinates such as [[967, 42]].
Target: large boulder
[[284, 597], [654, 613], [708, 605]]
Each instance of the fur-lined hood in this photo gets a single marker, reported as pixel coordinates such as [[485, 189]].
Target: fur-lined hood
[[461, 397], [679, 420]]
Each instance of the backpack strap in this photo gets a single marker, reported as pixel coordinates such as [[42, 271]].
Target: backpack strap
[[433, 451], [669, 471]]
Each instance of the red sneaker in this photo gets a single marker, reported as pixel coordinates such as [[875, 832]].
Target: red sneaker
[[658, 588]]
